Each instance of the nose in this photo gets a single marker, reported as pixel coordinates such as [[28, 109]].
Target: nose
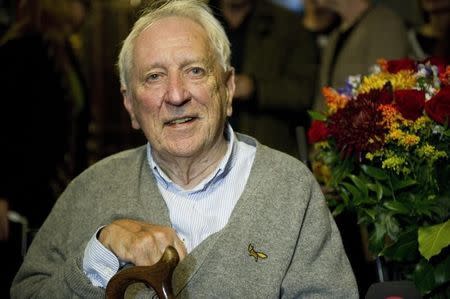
[[177, 94]]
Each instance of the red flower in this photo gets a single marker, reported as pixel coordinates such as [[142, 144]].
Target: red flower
[[317, 132], [410, 103], [445, 76], [438, 107], [395, 66], [379, 96], [358, 128]]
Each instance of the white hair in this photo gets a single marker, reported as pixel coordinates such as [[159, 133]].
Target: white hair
[[195, 10]]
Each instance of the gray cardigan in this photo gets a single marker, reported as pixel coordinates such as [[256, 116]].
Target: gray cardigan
[[281, 212]]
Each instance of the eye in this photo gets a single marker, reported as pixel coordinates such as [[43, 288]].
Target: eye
[[196, 71], [153, 77]]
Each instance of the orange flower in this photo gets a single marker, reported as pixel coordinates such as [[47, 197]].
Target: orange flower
[[445, 76], [383, 63], [390, 114], [334, 100]]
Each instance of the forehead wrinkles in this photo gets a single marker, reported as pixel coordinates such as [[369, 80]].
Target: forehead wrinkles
[[179, 33], [175, 26]]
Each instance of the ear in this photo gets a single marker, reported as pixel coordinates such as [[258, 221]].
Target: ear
[[129, 106], [231, 87]]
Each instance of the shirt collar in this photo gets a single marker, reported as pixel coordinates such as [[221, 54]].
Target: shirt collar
[[221, 171]]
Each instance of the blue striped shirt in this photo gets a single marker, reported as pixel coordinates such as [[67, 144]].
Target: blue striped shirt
[[195, 214]]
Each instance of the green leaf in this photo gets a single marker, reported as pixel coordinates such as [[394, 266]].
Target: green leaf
[[360, 184], [401, 184], [357, 196], [386, 191], [396, 206], [338, 209], [442, 272], [424, 277], [374, 172], [377, 188], [317, 115], [342, 169], [432, 239], [405, 249], [429, 278], [447, 132], [344, 195], [376, 239], [371, 213], [392, 226]]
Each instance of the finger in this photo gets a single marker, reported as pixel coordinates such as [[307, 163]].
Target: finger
[[148, 246], [148, 258], [180, 248]]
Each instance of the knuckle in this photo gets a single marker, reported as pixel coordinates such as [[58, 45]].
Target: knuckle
[[144, 240]]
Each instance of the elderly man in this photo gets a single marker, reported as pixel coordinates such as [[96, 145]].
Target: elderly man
[[211, 193]]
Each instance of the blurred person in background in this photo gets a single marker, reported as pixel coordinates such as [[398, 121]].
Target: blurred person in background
[[44, 115], [275, 63], [320, 21], [368, 31], [432, 38]]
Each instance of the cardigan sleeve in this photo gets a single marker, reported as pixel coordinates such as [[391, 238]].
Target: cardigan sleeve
[[99, 263], [53, 266], [319, 267]]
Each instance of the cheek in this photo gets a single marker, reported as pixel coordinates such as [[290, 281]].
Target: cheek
[[147, 100], [146, 111], [146, 106]]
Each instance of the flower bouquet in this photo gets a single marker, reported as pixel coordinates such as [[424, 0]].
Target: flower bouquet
[[383, 149]]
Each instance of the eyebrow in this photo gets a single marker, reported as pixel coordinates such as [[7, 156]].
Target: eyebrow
[[204, 61]]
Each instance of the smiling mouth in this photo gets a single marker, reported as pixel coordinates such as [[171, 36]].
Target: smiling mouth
[[180, 121]]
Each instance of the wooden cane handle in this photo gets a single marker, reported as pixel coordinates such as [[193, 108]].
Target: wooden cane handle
[[157, 276]]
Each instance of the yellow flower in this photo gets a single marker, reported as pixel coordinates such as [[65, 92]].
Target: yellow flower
[[321, 145], [321, 171], [396, 164], [395, 135], [430, 153], [409, 140], [402, 80], [375, 154], [402, 138], [421, 123], [370, 156]]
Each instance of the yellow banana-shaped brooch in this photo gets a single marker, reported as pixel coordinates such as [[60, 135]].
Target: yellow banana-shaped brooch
[[256, 254]]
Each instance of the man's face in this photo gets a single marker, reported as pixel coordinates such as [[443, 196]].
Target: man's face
[[178, 94]]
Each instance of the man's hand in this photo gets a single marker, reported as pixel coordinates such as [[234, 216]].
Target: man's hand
[[4, 222], [245, 87], [138, 242]]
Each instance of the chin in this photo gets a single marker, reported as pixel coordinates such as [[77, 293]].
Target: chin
[[183, 149]]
